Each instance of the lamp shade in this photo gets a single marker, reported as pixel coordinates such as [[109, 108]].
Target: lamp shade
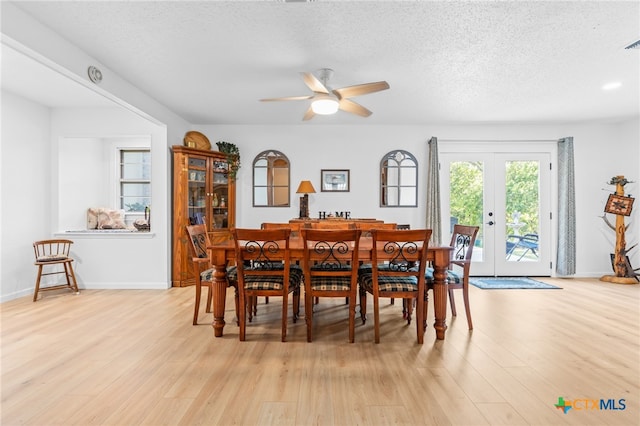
[[305, 187]]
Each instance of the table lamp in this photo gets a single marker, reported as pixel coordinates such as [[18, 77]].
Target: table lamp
[[305, 188]]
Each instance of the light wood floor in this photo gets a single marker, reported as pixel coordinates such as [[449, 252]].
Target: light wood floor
[[131, 357]]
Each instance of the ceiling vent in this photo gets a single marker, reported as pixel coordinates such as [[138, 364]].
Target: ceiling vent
[[634, 45]]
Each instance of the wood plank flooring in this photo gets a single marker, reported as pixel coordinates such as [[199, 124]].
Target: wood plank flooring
[[132, 357]]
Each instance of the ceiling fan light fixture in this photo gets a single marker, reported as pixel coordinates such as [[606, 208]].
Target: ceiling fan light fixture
[[325, 105]]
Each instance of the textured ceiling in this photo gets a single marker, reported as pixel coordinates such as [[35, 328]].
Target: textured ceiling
[[446, 62]]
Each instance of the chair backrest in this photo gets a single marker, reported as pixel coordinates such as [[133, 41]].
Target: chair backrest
[[463, 239], [52, 250], [403, 252], [295, 226], [262, 252], [331, 224], [331, 252], [199, 240], [366, 227], [531, 239]]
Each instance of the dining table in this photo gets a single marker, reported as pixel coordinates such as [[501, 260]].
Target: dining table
[[223, 252]]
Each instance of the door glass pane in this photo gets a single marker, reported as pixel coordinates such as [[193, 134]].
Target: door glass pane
[[466, 198], [196, 191], [522, 210], [219, 198]]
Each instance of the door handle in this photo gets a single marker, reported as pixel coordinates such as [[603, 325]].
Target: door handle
[[490, 222]]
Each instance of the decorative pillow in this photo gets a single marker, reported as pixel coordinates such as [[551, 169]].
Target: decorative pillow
[[111, 219], [92, 218]]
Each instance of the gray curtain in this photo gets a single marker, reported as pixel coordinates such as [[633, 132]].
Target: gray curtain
[[434, 221], [566, 261]]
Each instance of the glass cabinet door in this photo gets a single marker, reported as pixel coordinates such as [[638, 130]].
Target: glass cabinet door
[[219, 195], [197, 190]]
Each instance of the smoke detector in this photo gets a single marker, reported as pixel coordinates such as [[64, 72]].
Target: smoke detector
[[95, 75]]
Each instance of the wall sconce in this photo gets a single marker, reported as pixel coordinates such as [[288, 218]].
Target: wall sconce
[[305, 188]]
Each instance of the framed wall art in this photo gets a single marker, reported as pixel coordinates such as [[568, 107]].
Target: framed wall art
[[334, 180]]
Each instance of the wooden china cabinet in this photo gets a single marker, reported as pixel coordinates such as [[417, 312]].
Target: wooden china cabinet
[[202, 193]]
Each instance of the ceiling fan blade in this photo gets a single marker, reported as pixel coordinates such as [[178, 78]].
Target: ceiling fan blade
[[313, 83], [287, 98], [361, 89], [309, 114], [354, 108]]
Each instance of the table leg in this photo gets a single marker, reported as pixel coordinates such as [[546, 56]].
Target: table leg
[[440, 293], [219, 298]]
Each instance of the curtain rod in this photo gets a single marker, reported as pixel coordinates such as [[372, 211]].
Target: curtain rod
[[499, 140]]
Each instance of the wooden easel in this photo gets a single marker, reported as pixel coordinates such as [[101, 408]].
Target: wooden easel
[[623, 272]]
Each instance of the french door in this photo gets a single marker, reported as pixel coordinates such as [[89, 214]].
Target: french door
[[508, 196]]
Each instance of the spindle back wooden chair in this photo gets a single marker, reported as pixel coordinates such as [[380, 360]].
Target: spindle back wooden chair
[[51, 256]]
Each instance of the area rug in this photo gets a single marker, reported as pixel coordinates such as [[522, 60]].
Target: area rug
[[503, 283]]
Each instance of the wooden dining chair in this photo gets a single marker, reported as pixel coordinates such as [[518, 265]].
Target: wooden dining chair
[[366, 228], [265, 269], [203, 270], [398, 264], [463, 240], [294, 226], [330, 270], [50, 256], [330, 225]]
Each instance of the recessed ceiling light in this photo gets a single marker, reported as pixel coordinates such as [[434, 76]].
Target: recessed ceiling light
[[612, 85]]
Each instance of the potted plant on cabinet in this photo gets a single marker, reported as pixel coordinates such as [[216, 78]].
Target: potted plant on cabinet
[[233, 156]]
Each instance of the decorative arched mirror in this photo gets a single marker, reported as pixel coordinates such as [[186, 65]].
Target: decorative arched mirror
[[398, 180], [271, 179]]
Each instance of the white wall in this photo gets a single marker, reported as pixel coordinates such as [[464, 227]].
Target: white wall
[[601, 152], [35, 195], [114, 261], [30, 133], [88, 176], [25, 169], [311, 148], [25, 34], [82, 181], [107, 262]]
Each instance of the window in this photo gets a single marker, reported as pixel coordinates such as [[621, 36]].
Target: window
[[271, 179], [398, 180], [134, 191]]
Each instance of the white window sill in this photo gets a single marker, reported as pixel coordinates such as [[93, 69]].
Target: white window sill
[[106, 233]]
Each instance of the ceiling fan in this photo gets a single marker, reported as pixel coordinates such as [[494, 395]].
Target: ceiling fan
[[326, 101]]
